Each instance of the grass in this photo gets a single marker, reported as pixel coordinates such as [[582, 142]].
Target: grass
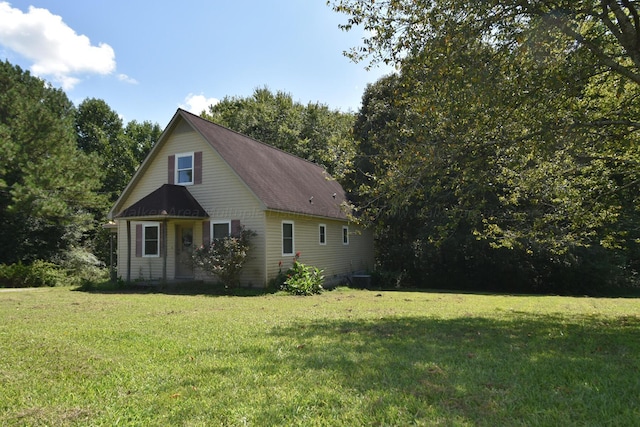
[[346, 357]]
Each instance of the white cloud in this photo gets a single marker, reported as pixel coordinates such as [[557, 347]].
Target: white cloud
[[127, 79], [196, 104], [55, 49]]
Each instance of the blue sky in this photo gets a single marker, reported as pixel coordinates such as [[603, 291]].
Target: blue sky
[[147, 58]]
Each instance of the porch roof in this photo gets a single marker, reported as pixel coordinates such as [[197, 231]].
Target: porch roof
[[167, 202]]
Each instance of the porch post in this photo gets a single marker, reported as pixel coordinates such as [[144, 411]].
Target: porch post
[[128, 251], [164, 252]]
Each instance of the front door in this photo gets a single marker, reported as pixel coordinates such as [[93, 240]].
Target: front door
[[184, 249]]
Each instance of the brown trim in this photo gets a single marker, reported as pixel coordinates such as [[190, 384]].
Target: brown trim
[[138, 240], [236, 228], [197, 167], [171, 167], [206, 233]]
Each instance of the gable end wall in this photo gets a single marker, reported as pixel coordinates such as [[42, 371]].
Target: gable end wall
[[221, 194]]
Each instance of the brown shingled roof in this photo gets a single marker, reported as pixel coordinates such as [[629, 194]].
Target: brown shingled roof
[[168, 201], [282, 181]]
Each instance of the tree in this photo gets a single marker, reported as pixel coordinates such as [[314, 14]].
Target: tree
[[313, 132], [510, 133], [119, 151], [100, 132], [141, 137], [46, 184], [609, 29]]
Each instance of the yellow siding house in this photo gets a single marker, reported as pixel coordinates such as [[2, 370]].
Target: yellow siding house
[[202, 181]]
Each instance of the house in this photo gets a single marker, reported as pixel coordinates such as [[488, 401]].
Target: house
[[203, 181]]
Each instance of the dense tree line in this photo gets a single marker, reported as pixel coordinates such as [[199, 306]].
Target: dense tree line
[[61, 168], [47, 185], [504, 153]]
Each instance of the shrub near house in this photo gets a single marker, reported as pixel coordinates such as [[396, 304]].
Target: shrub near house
[[303, 279], [225, 257]]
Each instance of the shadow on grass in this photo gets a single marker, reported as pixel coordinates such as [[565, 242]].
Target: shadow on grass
[[522, 370], [613, 292], [171, 288]]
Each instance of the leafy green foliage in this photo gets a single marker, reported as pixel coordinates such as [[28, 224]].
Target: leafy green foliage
[[303, 279], [607, 29], [225, 257], [82, 267], [505, 147], [118, 150], [39, 273], [313, 132], [46, 184]]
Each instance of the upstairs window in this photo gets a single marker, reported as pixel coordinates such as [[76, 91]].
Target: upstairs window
[[323, 234], [184, 169]]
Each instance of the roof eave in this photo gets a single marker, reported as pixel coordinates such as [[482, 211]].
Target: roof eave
[[160, 218], [307, 215]]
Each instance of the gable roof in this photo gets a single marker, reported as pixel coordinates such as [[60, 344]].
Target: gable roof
[[168, 201], [280, 180]]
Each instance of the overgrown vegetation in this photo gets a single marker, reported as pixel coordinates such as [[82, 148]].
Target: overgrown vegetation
[[61, 167], [39, 273], [504, 151], [303, 279], [342, 358], [75, 267]]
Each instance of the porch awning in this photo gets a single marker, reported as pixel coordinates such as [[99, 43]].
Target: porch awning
[[167, 202]]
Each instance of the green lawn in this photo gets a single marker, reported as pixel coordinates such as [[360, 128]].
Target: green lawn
[[346, 357]]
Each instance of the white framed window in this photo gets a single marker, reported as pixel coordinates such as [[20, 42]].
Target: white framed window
[[184, 169], [345, 235], [322, 234], [288, 247], [220, 229], [151, 239]]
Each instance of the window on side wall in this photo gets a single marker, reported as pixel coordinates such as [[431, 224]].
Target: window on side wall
[[184, 169], [345, 235], [322, 229], [220, 229], [151, 240], [287, 238]]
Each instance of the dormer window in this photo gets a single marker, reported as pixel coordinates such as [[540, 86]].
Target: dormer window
[[184, 169]]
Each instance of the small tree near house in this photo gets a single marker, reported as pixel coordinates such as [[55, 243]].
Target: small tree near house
[[225, 257]]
